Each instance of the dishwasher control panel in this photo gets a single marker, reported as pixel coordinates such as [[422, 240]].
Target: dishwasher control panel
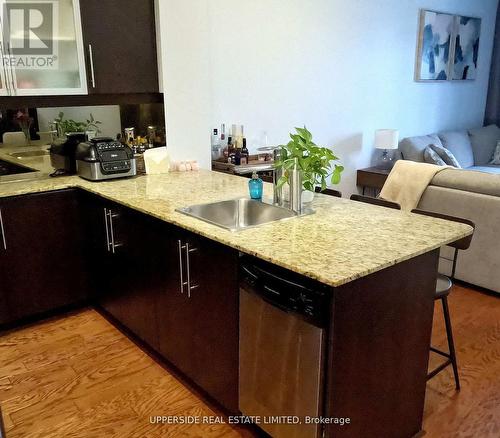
[[286, 290]]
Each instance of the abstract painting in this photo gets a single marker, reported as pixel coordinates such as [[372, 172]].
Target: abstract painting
[[435, 41], [468, 32], [448, 47]]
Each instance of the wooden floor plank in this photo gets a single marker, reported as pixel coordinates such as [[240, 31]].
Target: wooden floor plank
[[474, 411], [86, 379], [78, 376]]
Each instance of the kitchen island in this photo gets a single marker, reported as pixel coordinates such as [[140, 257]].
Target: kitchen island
[[380, 267]]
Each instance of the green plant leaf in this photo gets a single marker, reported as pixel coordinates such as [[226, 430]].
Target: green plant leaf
[[308, 185], [315, 162], [305, 134], [281, 182], [336, 175]]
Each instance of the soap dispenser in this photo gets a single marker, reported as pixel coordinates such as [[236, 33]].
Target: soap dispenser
[[255, 187]]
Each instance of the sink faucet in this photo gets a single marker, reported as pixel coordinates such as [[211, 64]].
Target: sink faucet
[[295, 183], [277, 174]]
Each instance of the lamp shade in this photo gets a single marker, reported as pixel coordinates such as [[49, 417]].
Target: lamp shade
[[386, 138]]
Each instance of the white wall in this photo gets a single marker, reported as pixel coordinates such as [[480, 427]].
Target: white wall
[[187, 77], [109, 115], [343, 68]]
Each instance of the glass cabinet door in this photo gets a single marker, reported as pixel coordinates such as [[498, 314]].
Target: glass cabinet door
[[43, 41], [4, 89], [4, 73]]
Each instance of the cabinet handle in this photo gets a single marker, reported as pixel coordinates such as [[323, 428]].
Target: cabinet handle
[[107, 228], [91, 60], [188, 269], [3, 232], [181, 267], [111, 231]]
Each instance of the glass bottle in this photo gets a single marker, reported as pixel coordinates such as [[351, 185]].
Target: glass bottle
[[230, 151], [244, 152], [255, 186]]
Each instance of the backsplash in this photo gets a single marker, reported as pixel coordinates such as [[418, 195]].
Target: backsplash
[[113, 119]]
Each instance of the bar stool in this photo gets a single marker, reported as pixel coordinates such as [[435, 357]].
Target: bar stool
[[443, 289], [375, 201], [330, 192]]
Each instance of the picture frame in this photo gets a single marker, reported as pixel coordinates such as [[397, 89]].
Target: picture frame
[[447, 47]]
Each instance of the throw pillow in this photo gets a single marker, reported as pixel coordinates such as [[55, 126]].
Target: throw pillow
[[412, 148], [458, 143], [446, 155], [484, 141], [432, 157], [496, 155]]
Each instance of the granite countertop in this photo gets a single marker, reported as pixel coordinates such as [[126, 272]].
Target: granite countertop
[[40, 163], [342, 241]]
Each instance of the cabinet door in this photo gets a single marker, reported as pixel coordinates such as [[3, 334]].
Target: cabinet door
[[120, 44], [199, 327], [131, 266], [105, 266], [43, 264], [175, 313], [143, 268], [50, 61], [4, 311], [215, 310]]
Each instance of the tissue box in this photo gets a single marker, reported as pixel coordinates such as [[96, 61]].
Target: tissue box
[[156, 161]]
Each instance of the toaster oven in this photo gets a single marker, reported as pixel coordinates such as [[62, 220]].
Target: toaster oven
[[103, 158]]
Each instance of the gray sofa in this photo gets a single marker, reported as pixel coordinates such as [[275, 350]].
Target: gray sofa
[[472, 193]]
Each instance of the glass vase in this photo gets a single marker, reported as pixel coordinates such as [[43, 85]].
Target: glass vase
[[27, 136]]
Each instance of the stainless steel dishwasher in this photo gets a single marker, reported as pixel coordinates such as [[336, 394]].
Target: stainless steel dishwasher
[[282, 344]]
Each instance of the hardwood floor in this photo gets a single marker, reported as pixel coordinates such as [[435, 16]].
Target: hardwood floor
[[474, 411], [78, 376]]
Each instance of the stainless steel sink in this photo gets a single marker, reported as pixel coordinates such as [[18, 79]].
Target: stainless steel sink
[[29, 154], [238, 214]]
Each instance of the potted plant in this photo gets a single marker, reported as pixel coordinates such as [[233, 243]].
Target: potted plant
[[315, 163], [68, 125]]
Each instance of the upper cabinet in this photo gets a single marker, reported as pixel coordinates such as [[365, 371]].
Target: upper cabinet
[[120, 46], [42, 48], [72, 47]]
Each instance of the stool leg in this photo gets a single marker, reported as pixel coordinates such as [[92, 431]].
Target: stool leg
[[451, 344]]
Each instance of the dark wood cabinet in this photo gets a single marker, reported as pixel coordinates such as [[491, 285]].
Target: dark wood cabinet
[[120, 46], [172, 289], [4, 311], [198, 316], [42, 257], [175, 291], [131, 266]]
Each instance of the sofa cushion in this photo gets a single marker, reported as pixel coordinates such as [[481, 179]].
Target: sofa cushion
[[470, 180], [484, 141], [432, 157], [496, 155], [458, 143], [446, 156], [412, 148], [488, 168]]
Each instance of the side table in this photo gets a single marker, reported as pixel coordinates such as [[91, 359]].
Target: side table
[[373, 179]]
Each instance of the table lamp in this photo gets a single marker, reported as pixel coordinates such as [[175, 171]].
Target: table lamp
[[387, 140]]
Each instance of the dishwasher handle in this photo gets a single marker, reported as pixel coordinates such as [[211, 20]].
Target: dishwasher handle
[[310, 304], [256, 273]]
